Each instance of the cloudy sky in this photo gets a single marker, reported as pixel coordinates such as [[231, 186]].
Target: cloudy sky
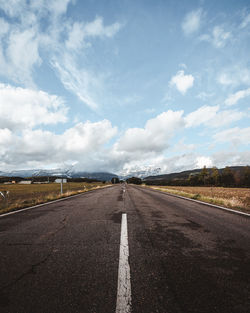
[[124, 85]]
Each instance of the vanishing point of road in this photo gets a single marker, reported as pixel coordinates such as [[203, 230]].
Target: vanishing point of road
[[124, 249]]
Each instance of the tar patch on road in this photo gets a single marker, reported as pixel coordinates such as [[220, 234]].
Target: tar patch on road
[[157, 214], [120, 197], [4, 301], [116, 217], [191, 224]]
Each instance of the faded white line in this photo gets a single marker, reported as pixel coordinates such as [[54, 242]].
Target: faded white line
[[123, 303]]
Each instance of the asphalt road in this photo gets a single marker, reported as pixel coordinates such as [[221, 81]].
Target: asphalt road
[[184, 257]]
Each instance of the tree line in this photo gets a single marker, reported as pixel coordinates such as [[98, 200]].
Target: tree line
[[47, 179], [210, 177]]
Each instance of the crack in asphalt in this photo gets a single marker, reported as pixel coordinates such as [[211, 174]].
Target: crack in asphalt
[[53, 233], [17, 244], [4, 301], [32, 268]]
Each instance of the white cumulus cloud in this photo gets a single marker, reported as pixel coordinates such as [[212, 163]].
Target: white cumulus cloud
[[25, 108], [25, 144], [182, 82], [87, 137], [5, 140], [38, 148], [154, 136], [202, 161]]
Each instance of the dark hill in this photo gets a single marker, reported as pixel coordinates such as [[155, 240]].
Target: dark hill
[[186, 174]]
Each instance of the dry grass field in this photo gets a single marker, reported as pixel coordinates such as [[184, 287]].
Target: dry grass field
[[19, 196], [235, 198]]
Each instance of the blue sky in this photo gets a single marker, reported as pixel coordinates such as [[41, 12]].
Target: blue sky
[[124, 86]]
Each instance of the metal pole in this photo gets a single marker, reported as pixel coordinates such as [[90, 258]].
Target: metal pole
[[61, 186]]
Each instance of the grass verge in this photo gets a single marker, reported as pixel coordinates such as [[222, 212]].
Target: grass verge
[[232, 198], [21, 197]]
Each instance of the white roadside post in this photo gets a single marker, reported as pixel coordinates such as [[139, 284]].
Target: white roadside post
[[61, 186], [5, 196]]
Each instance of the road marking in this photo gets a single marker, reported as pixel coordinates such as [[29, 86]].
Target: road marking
[[123, 303]]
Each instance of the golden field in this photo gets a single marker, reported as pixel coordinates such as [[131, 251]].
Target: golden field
[[235, 198], [20, 195]]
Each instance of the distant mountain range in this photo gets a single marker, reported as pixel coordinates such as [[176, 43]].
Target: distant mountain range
[[70, 173], [141, 173], [148, 173]]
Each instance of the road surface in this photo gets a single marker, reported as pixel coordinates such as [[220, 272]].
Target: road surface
[[183, 256]]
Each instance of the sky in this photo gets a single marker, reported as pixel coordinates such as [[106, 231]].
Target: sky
[[124, 86]]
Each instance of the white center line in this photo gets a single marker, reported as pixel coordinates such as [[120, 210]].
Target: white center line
[[123, 303]]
